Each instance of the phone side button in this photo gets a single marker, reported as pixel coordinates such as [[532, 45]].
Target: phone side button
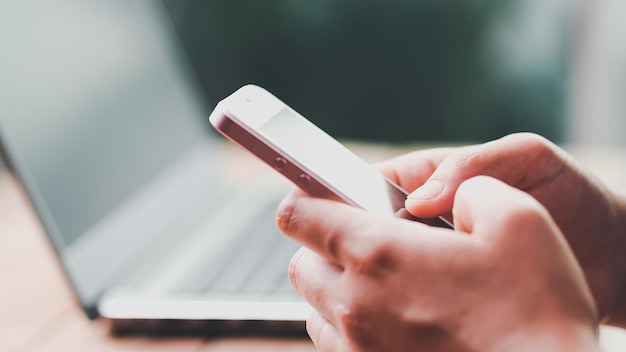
[[304, 180], [279, 163]]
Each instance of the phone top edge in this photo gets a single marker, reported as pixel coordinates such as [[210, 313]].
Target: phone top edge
[[270, 154], [239, 121], [250, 105]]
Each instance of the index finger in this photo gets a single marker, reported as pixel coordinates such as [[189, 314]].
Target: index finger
[[411, 170], [348, 236]]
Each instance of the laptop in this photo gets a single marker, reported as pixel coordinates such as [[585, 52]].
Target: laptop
[[105, 127]]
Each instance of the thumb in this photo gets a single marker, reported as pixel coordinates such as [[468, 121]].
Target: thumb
[[507, 159], [436, 196]]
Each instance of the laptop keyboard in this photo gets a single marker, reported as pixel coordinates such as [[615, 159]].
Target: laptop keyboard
[[254, 263]]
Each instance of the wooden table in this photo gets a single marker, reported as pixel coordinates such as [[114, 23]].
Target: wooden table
[[38, 311]]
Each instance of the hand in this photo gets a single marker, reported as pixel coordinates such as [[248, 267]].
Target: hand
[[504, 280], [592, 219]]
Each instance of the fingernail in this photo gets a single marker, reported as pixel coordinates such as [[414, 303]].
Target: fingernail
[[427, 191]]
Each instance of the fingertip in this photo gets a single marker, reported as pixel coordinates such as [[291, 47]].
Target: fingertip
[[285, 211], [414, 206], [429, 200]]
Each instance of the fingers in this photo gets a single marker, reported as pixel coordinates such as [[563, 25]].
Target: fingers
[[338, 232], [354, 239], [323, 334], [312, 277], [521, 160]]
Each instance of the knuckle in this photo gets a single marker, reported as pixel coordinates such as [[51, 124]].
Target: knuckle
[[532, 140], [547, 159], [333, 244], [467, 157], [539, 150], [375, 259], [538, 160]]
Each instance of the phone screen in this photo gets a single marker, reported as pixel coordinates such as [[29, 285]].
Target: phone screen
[[328, 160]]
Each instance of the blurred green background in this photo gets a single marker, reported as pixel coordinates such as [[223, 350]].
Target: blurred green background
[[394, 70]]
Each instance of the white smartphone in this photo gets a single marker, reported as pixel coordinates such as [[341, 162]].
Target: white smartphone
[[310, 158]]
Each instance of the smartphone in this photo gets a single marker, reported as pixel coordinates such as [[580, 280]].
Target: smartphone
[[307, 156]]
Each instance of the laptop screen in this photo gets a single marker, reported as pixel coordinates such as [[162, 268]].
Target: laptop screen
[[83, 82], [95, 102]]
